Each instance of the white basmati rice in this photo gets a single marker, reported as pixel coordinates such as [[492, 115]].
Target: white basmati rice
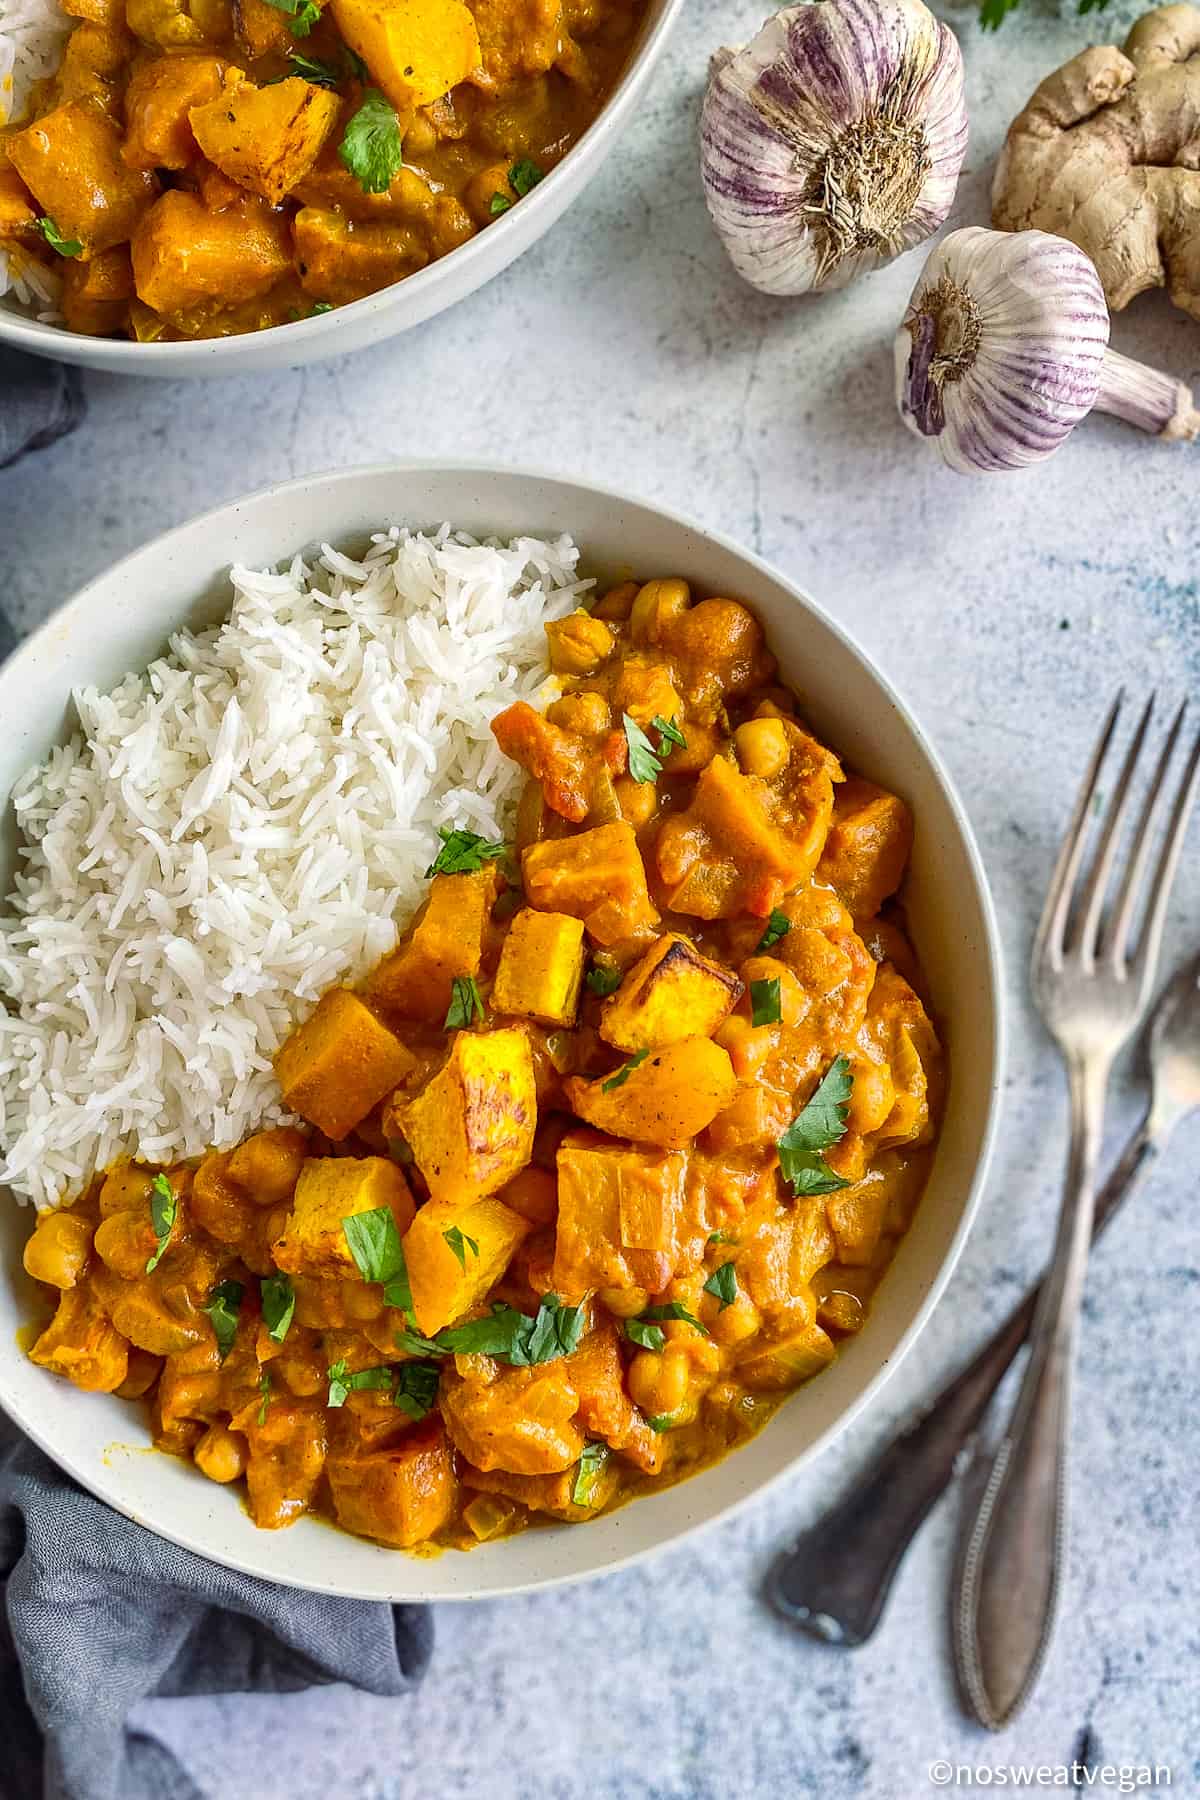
[[32, 33], [241, 826]]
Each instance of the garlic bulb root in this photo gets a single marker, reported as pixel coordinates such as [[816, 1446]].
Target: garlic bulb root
[[833, 141], [1004, 349]]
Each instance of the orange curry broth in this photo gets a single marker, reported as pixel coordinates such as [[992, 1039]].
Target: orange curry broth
[[193, 162], [464, 1095]]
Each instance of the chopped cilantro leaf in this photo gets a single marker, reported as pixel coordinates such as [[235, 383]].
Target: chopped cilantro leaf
[[465, 1003], [507, 1334], [322, 306], [722, 1285], [371, 145], [278, 1305], [674, 1309], [620, 1076], [312, 69], [602, 980], [460, 1243], [816, 1128], [524, 175], [648, 1337], [721, 1237], [163, 1207], [302, 15], [264, 1388], [764, 1001], [343, 1382], [56, 240], [644, 763], [500, 203], [778, 926], [668, 733], [591, 1466], [462, 852], [661, 1421], [374, 1243], [416, 1388], [222, 1309]]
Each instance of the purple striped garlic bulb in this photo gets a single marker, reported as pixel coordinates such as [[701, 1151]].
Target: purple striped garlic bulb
[[1004, 349], [833, 141]]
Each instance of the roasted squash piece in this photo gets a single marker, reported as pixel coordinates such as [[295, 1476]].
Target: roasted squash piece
[[672, 992], [160, 94], [597, 876], [416, 981], [267, 138], [175, 24], [665, 1099], [81, 1343], [541, 968], [521, 1420], [340, 260], [339, 1064], [471, 1128], [518, 37], [553, 1494], [96, 294], [331, 1189], [622, 1218], [868, 846], [70, 160], [446, 1281], [402, 1494], [416, 50], [559, 760], [94, 63], [260, 28], [18, 213], [185, 256]]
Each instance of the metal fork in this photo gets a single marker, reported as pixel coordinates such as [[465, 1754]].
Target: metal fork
[[1092, 976]]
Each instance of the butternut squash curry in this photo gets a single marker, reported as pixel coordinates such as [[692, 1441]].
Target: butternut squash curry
[[198, 168], [600, 1162]]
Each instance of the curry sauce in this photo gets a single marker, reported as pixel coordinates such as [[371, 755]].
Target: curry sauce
[[602, 1161], [198, 168]]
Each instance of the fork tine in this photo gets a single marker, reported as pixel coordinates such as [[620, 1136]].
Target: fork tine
[[1092, 904], [1052, 925], [1146, 957], [1125, 905]]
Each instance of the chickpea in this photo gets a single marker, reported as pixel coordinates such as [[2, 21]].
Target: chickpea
[[58, 1250], [361, 1301], [762, 747], [736, 1322], [126, 1186], [579, 644], [636, 799], [658, 1380], [420, 134], [657, 603], [617, 603], [142, 1371], [586, 714], [748, 1046], [267, 1166], [126, 1242], [222, 1454], [486, 187], [300, 1375], [872, 1097], [625, 1302]]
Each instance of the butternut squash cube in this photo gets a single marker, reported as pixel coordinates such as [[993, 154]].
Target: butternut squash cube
[[443, 1286], [520, 1420], [621, 1216], [96, 294], [868, 846], [339, 1064], [597, 876], [417, 50], [266, 139], [471, 1128], [159, 97], [417, 980], [70, 160], [260, 28], [185, 256], [18, 214], [665, 1099], [330, 1189], [541, 968], [400, 1495], [672, 993]]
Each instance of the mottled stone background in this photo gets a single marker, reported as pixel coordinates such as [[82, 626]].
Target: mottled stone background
[[1007, 610]]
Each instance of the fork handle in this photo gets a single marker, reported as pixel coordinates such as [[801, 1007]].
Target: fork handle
[[834, 1580], [1013, 1550]]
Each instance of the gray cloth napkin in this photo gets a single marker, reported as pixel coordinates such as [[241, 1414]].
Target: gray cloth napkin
[[100, 1615], [39, 403]]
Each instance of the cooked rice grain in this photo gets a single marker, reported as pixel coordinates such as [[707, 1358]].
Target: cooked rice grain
[[241, 826]]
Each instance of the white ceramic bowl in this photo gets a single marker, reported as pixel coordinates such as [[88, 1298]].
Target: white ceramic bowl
[[394, 309], [121, 620]]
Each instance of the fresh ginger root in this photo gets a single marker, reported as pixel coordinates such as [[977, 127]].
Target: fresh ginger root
[[1106, 154]]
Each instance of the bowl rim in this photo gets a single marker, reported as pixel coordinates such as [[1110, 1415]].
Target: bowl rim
[[104, 1481], [39, 337]]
